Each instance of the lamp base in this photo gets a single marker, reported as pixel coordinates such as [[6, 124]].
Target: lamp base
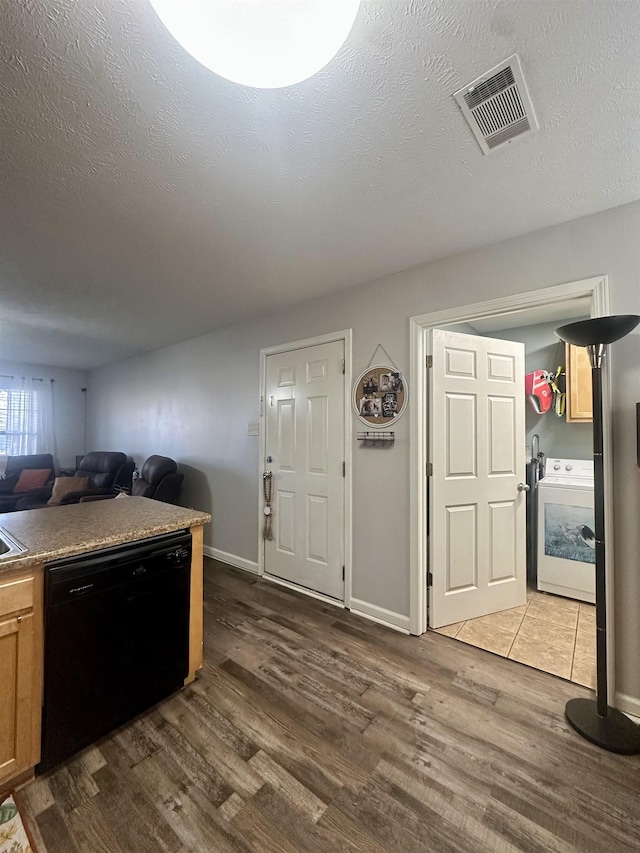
[[615, 732]]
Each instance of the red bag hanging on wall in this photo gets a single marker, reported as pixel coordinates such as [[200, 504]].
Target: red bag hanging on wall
[[538, 389]]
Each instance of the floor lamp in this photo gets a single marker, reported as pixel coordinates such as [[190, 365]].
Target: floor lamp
[[595, 719]]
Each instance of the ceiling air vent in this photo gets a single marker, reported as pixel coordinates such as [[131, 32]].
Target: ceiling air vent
[[497, 105]]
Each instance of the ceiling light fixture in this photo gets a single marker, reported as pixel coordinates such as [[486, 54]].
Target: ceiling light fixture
[[267, 44]]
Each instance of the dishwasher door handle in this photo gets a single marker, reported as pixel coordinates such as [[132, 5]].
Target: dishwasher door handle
[[76, 590]]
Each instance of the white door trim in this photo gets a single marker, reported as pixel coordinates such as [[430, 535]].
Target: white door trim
[[597, 289], [346, 336]]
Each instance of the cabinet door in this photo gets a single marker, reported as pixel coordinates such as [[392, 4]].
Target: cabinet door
[[16, 695], [579, 405]]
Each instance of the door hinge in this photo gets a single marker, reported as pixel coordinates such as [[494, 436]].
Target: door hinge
[[343, 367], [429, 361], [344, 469], [429, 469], [429, 579], [343, 573]]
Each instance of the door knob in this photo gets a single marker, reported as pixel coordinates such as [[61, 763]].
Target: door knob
[[522, 487]]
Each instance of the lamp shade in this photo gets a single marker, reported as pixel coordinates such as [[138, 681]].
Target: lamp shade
[[599, 330]]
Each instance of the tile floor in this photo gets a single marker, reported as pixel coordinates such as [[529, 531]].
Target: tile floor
[[556, 635]]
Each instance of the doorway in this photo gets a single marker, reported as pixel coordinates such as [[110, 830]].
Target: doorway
[[305, 508], [539, 610], [567, 621]]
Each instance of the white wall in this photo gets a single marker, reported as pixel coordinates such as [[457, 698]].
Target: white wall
[[193, 401], [68, 405]]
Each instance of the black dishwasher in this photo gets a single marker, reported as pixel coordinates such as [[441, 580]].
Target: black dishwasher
[[116, 639]]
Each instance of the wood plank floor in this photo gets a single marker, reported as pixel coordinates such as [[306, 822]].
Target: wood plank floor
[[311, 729]]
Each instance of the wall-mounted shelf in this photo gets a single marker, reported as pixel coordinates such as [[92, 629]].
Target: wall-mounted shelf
[[379, 438]]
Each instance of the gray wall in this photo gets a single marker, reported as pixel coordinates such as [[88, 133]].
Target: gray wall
[[68, 405], [193, 401], [557, 437]]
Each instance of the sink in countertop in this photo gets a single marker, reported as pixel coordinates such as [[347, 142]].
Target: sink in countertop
[[9, 547]]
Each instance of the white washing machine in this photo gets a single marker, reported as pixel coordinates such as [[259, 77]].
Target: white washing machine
[[566, 540]]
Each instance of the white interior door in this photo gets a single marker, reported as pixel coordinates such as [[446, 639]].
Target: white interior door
[[304, 409], [477, 450]]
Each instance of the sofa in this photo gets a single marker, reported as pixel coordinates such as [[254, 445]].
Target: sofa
[[14, 486], [98, 474]]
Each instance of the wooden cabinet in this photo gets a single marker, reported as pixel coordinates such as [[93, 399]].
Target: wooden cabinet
[[579, 405], [20, 673], [196, 612]]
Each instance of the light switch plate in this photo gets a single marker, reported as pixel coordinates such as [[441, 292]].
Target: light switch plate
[[253, 428]]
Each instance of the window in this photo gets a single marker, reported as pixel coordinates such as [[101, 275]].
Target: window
[[25, 417]]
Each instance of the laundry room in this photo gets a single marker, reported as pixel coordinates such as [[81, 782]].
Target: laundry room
[[555, 629], [562, 433]]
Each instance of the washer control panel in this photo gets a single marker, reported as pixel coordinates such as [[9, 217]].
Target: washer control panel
[[571, 469]]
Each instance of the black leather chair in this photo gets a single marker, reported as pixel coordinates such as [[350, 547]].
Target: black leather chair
[[159, 479], [102, 469]]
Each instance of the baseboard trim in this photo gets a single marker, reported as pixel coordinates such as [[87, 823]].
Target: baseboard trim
[[360, 608], [380, 615], [231, 559], [629, 705]]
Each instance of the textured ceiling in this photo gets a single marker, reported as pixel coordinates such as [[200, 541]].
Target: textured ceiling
[[144, 200]]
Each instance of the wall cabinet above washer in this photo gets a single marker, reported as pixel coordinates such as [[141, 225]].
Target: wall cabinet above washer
[[579, 404]]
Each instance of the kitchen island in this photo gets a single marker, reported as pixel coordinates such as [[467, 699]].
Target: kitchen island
[[52, 534]]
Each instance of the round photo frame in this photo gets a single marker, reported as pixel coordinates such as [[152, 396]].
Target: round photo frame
[[380, 396]]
